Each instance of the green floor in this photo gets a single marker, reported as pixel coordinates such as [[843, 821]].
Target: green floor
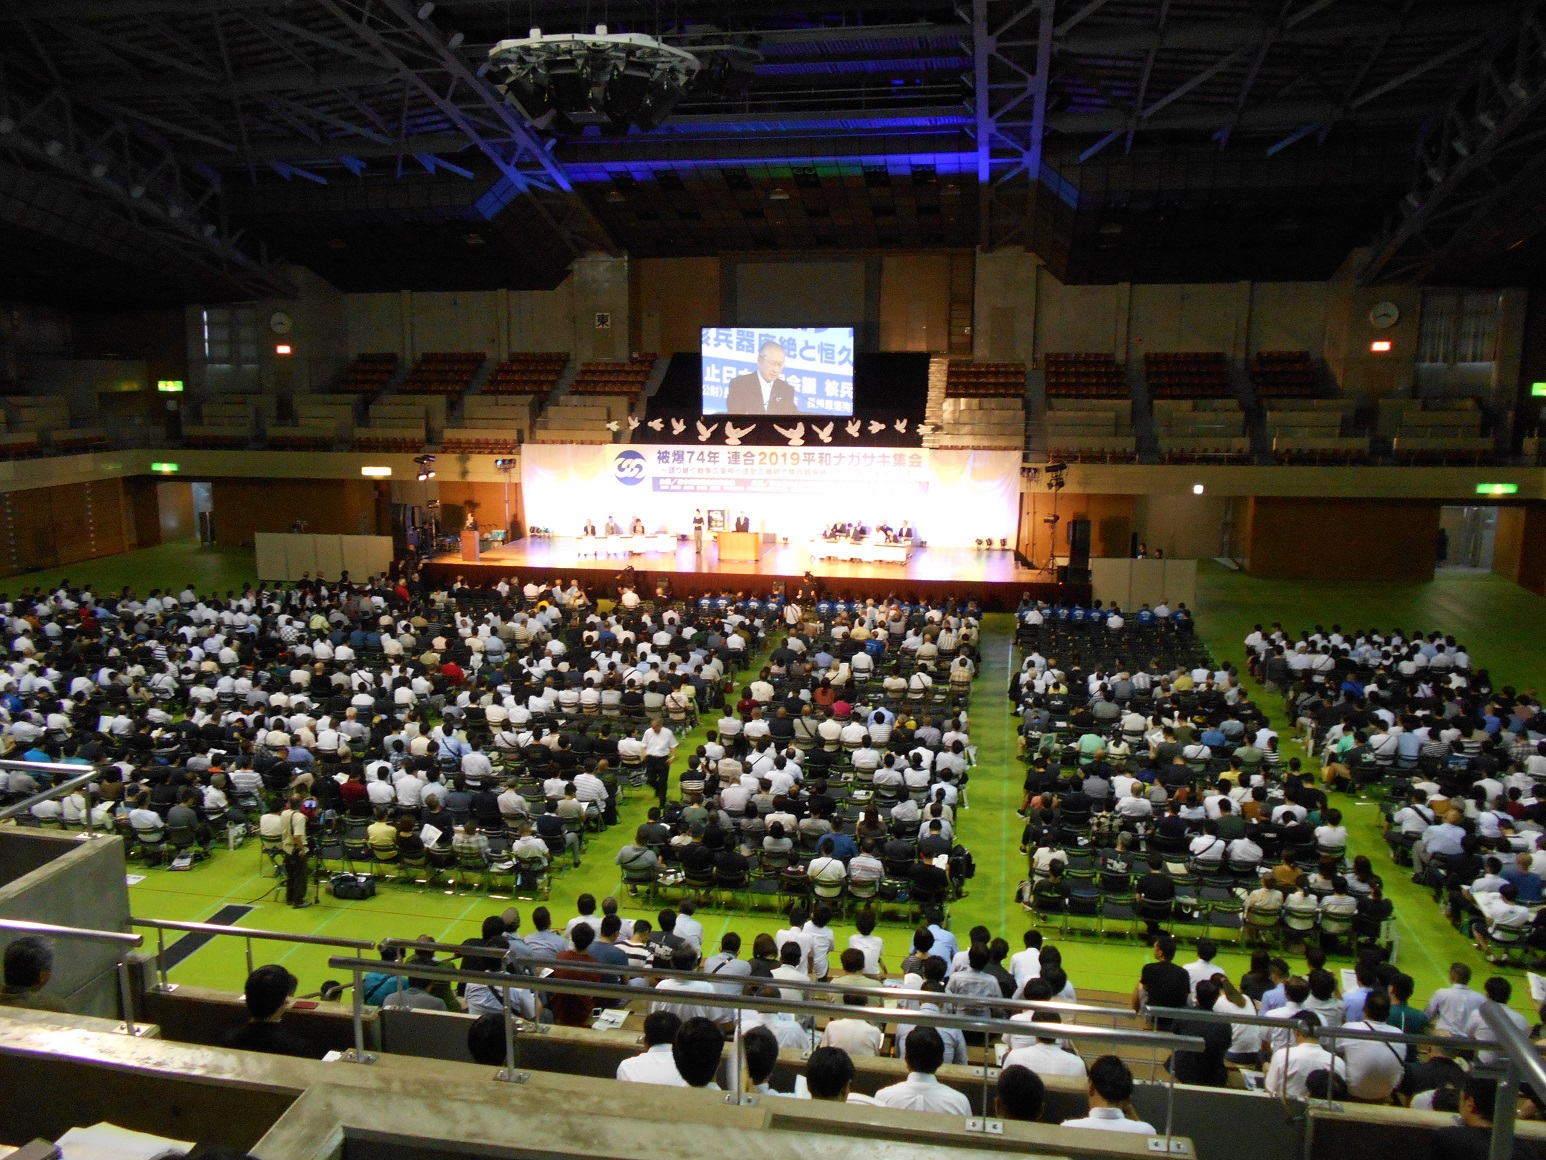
[[1484, 611]]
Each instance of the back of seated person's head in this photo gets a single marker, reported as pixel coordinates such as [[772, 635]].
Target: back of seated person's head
[[923, 940], [977, 956], [1165, 946], [1020, 1094], [791, 954], [1056, 978], [760, 1048], [1037, 990], [696, 1051], [852, 961], [660, 1027], [1324, 1084], [268, 988], [29, 962], [934, 971], [1111, 1080], [1208, 992], [486, 1040], [1323, 984], [1498, 989], [828, 1073], [684, 957], [1376, 1007], [1315, 958], [1046, 1017], [925, 1050], [584, 934]]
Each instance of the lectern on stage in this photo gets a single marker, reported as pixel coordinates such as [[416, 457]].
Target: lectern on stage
[[746, 546], [470, 551]]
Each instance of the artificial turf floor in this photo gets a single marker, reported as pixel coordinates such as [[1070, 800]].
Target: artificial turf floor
[[1484, 611]]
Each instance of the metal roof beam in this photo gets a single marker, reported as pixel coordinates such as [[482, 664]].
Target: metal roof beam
[[291, 81]]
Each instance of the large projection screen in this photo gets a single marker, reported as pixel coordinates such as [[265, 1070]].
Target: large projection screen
[[778, 370]]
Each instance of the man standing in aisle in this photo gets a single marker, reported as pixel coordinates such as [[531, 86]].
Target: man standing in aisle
[[297, 869], [659, 745]]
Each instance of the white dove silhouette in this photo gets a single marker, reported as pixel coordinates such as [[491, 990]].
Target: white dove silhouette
[[795, 434], [705, 432], [876, 428], [824, 433], [733, 434], [852, 427], [613, 425], [901, 426], [656, 424], [633, 423], [678, 426]]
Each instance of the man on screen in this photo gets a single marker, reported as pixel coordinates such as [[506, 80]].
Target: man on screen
[[763, 392]]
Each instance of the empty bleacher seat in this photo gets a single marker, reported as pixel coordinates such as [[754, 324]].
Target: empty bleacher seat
[[1084, 376], [626, 379], [443, 373], [368, 374], [1283, 374], [526, 374], [965, 379], [1187, 375]]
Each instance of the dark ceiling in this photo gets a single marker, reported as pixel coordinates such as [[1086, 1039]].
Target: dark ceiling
[[1141, 140]]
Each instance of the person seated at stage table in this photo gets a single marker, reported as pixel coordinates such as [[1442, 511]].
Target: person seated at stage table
[[612, 527], [905, 532], [589, 529], [886, 531], [742, 523], [638, 526]]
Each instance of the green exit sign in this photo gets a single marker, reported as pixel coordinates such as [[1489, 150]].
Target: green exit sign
[[175, 386], [165, 468], [1538, 390], [1497, 489]]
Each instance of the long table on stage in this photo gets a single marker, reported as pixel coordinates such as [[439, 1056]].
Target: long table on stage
[[862, 551], [995, 578]]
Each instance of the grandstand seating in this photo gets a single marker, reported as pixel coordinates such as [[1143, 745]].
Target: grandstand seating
[[1187, 375], [320, 421], [81, 440], [1283, 374], [526, 374], [1312, 431], [368, 374], [1084, 376], [443, 373], [1090, 430], [614, 378], [491, 426], [1190, 429], [397, 424], [1436, 432], [965, 379], [230, 421]]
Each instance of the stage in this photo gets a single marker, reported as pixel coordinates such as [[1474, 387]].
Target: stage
[[996, 579]]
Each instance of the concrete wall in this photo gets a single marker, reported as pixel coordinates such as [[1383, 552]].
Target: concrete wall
[[915, 302], [674, 298], [499, 321], [1519, 549], [50, 877]]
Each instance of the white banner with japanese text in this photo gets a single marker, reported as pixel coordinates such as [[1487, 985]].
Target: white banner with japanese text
[[951, 497]]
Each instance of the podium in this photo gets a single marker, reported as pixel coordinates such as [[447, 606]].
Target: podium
[[470, 550], [745, 546]]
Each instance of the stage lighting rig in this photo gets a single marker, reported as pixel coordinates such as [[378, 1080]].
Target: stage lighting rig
[[426, 466], [1054, 473], [613, 80]]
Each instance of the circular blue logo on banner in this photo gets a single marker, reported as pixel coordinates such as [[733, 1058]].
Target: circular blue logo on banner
[[628, 468]]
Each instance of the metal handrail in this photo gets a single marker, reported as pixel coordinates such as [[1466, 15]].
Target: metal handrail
[[16, 809], [1521, 1063], [162, 925], [535, 962], [1328, 1034], [719, 999], [121, 938]]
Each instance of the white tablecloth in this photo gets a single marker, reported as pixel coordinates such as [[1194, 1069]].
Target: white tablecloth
[[868, 551]]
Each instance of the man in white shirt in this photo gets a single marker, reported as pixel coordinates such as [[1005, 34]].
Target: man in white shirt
[[1111, 1094], [858, 1037], [1044, 1056], [1026, 965], [1374, 1070], [1292, 1065], [921, 1091], [1451, 1006], [659, 744]]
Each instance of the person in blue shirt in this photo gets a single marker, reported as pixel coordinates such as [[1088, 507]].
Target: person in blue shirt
[[1078, 614], [1146, 617], [945, 945], [1523, 880]]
